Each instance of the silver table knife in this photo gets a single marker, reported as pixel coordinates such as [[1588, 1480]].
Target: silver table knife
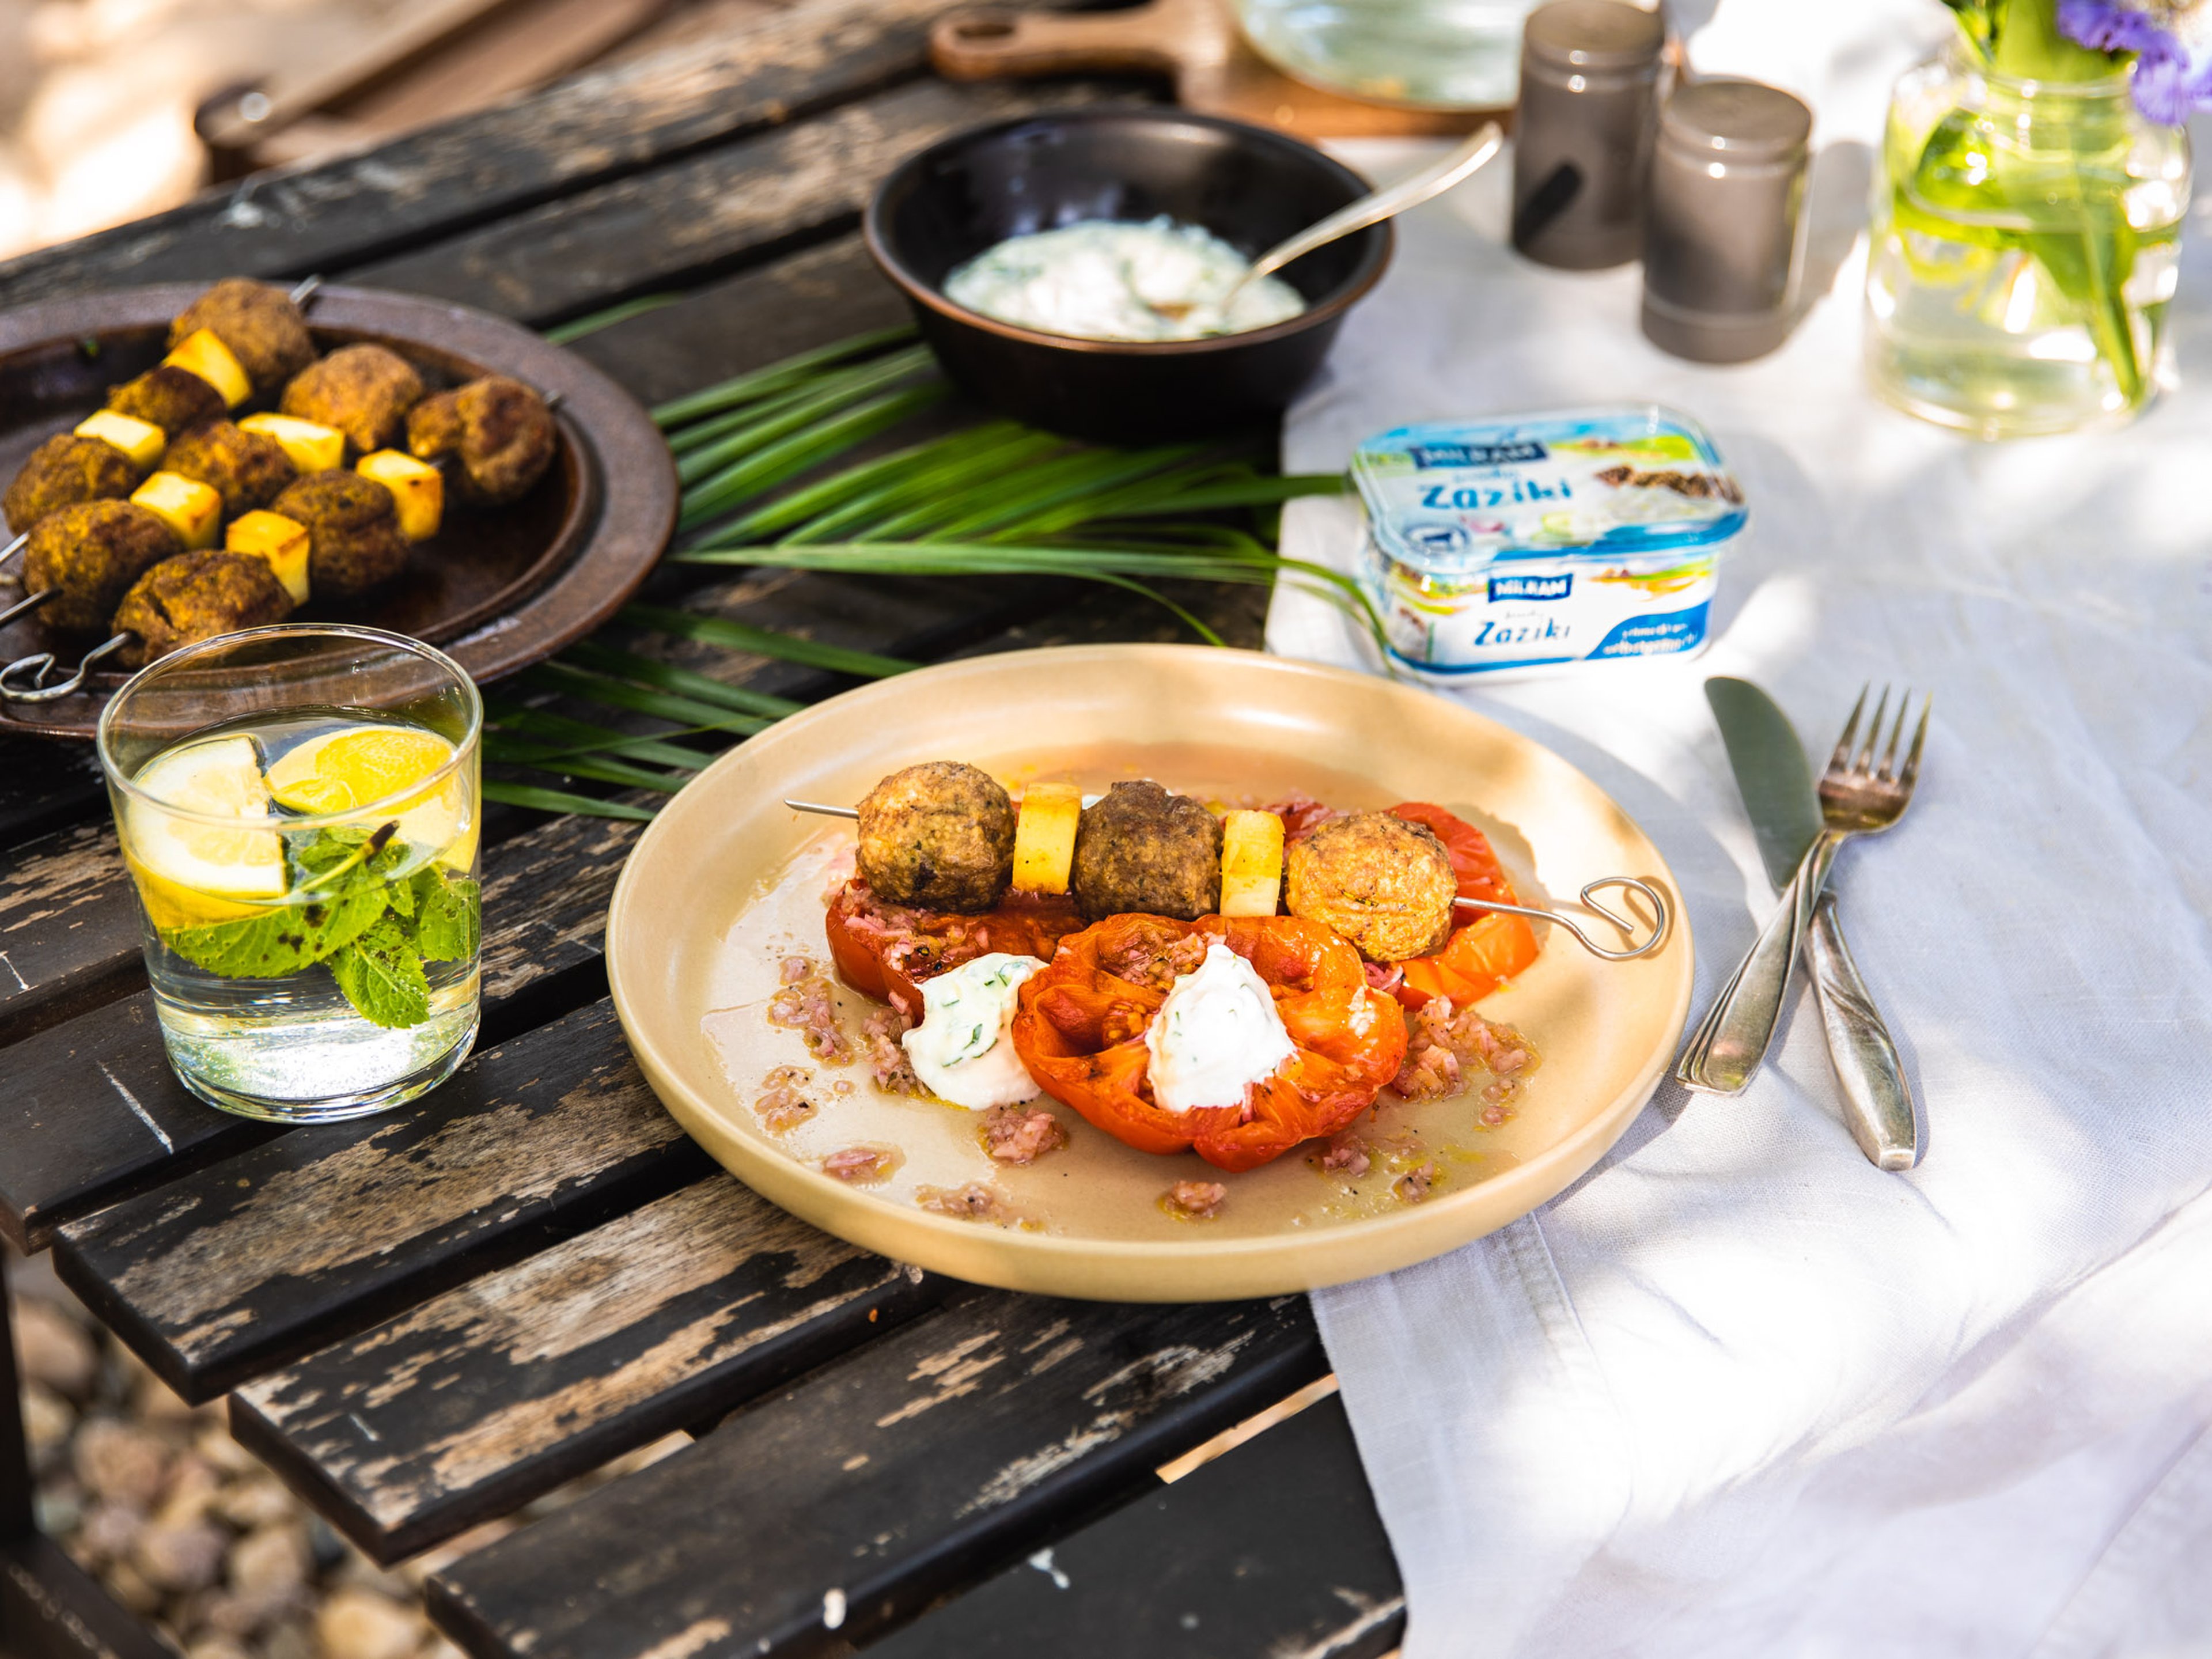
[[1776, 785]]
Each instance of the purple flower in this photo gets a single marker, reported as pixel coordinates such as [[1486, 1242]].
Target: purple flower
[[2111, 25], [2167, 86]]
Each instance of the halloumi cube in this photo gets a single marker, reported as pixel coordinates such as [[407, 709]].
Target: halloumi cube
[[310, 445], [284, 543], [417, 487], [190, 507], [203, 353], [1044, 837], [141, 440], [1251, 864]]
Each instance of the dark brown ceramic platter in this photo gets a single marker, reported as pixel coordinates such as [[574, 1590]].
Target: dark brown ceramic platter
[[498, 589]]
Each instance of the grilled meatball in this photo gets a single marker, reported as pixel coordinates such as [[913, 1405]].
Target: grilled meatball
[[1384, 884], [263, 328], [1143, 849], [500, 429], [353, 531], [364, 391], [197, 596], [63, 471], [175, 400], [247, 470], [92, 553], [939, 836]]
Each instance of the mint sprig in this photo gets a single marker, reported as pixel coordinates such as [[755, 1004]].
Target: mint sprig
[[381, 973], [372, 928]]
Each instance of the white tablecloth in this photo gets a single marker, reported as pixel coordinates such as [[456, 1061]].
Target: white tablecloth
[[1737, 1392]]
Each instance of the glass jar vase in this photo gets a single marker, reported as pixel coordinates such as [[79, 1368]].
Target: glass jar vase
[[2024, 250]]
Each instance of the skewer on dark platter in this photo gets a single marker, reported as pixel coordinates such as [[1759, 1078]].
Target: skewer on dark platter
[[1065, 803]]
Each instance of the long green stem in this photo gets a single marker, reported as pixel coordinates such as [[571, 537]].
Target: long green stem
[[776, 377]]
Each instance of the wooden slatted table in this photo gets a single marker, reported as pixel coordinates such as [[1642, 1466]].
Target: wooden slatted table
[[427, 1320]]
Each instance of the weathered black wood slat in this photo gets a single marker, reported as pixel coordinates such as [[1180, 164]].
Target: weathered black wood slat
[[93, 1111], [828, 292], [1272, 1549], [483, 1398], [52, 1608], [592, 127], [51, 786], [91, 1107], [244, 1265], [940, 1453], [67, 926], [684, 220]]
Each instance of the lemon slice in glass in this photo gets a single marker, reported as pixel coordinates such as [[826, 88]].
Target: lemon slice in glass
[[185, 863], [335, 773]]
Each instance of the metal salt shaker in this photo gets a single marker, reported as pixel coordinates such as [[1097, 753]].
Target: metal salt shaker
[[1724, 236], [1581, 144]]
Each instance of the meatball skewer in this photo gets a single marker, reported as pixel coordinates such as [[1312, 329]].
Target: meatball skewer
[[175, 602], [263, 328], [1628, 926], [83, 558]]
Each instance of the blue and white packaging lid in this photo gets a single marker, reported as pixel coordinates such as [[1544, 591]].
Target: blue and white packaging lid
[[1449, 497]]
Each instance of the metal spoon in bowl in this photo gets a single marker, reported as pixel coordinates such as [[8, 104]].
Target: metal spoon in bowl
[[1372, 210]]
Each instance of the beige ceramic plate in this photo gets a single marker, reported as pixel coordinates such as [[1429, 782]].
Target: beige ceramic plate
[[727, 883]]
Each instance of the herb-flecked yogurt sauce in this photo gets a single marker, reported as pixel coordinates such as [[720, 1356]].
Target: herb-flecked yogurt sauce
[[1110, 279]]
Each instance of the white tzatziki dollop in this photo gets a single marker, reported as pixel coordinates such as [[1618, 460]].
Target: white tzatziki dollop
[[961, 1049], [1216, 1035], [1112, 279]]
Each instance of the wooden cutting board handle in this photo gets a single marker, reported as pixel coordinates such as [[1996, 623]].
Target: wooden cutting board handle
[[1159, 38]]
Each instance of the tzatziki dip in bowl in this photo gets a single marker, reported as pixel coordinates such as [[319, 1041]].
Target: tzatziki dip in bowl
[[1071, 269], [1115, 279]]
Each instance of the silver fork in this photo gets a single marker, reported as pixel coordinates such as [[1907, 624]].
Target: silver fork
[[1856, 799]]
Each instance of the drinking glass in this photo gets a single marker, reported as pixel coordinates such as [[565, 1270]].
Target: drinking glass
[[298, 808]]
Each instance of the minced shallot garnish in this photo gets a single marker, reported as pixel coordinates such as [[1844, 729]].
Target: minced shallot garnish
[[1414, 1185], [1148, 962], [861, 1165], [1385, 977], [1443, 1043], [1021, 1134], [973, 1202], [1196, 1200], [805, 1004], [781, 1105], [1347, 1155], [887, 1061]]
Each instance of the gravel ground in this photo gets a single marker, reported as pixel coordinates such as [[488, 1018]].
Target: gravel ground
[[186, 1527]]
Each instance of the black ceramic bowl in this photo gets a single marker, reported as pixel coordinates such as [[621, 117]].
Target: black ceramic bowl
[[1249, 186]]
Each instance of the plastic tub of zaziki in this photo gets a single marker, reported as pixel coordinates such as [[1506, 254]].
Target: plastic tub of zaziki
[[1545, 542]]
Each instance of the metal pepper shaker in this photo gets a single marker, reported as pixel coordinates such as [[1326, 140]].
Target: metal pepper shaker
[[1581, 142], [1725, 226]]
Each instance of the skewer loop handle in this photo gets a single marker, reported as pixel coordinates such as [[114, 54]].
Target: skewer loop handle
[[1662, 914], [15, 688]]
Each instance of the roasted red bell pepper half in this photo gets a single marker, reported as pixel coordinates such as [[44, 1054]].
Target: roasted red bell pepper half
[[1080, 1030]]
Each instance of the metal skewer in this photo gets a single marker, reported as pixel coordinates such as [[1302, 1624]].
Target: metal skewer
[[1663, 913], [41, 663], [24, 607]]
